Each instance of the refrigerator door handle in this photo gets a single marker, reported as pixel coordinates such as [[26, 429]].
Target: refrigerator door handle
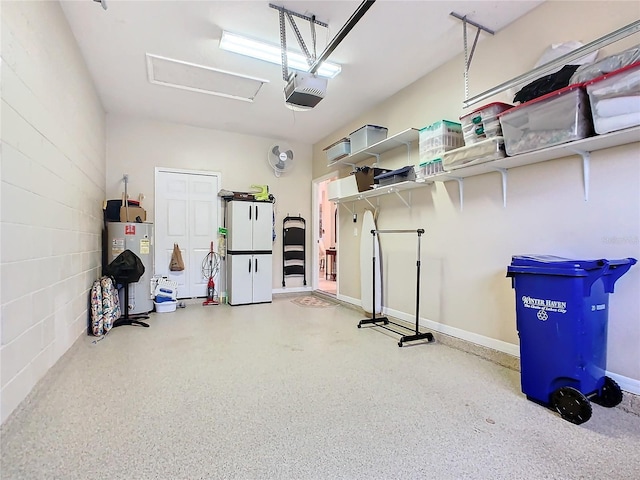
[[256, 268], [249, 265]]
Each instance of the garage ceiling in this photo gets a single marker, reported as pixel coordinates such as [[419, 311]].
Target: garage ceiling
[[394, 44]]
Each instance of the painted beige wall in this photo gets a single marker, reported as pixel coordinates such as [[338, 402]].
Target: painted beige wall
[[465, 253], [136, 147], [53, 171]]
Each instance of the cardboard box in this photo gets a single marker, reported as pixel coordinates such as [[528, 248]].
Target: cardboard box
[[364, 177], [133, 213]]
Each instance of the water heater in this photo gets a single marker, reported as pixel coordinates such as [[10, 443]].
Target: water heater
[[137, 237]]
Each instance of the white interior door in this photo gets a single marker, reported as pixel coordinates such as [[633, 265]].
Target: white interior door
[[186, 213]]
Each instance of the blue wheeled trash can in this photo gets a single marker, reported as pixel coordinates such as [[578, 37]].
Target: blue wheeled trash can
[[561, 316]]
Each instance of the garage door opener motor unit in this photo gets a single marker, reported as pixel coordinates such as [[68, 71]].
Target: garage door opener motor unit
[[304, 90]]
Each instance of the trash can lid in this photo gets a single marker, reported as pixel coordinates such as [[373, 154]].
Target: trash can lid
[[553, 265], [556, 262]]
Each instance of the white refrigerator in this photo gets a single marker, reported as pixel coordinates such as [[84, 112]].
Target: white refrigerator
[[137, 237], [249, 252]]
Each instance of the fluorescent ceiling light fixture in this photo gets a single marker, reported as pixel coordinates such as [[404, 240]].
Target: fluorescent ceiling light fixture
[[272, 53]]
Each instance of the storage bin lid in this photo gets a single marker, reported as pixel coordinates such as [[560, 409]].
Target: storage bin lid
[[611, 74], [342, 140], [437, 124], [505, 106], [552, 265], [371, 126], [404, 171]]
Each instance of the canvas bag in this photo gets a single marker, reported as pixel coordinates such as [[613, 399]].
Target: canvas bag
[[177, 264]]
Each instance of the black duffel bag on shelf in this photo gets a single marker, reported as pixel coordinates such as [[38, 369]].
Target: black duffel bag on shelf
[[547, 84]]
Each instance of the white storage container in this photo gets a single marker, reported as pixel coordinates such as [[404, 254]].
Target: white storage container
[[483, 122], [338, 150], [479, 152], [558, 117], [343, 187], [366, 136], [164, 307], [615, 99], [438, 138]]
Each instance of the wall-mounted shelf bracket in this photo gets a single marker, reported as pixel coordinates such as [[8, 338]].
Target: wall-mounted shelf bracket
[[468, 56], [586, 159], [408, 145], [377, 155], [408, 204], [350, 210], [460, 180], [370, 204], [460, 187], [503, 174], [352, 165]]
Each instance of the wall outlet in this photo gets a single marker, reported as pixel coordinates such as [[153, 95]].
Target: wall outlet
[[355, 231]]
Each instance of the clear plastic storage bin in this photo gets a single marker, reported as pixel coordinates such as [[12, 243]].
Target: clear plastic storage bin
[[433, 167], [367, 136], [343, 187], [479, 152], [404, 174], [558, 117], [483, 122], [615, 99], [338, 150], [438, 138]]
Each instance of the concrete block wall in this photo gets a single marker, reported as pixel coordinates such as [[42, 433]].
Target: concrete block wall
[[52, 188]]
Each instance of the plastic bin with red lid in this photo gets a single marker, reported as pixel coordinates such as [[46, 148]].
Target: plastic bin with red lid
[[615, 99], [482, 123], [555, 118]]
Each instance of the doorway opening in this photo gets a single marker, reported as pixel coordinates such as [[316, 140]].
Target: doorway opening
[[325, 234]]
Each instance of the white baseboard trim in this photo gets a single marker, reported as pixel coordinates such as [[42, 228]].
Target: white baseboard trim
[[488, 342], [291, 290], [354, 301], [627, 384]]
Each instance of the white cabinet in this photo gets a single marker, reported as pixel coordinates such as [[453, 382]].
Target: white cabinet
[[249, 252], [250, 226], [249, 278]]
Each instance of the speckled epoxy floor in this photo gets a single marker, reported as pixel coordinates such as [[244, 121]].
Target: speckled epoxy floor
[[279, 391]]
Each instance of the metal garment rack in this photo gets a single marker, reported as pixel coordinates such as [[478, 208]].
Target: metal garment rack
[[417, 334]]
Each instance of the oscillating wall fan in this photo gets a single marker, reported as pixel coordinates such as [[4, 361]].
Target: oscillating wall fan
[[280, 157]]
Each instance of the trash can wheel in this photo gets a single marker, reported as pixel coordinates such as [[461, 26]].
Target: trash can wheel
[[571, 404], [610, 395]]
